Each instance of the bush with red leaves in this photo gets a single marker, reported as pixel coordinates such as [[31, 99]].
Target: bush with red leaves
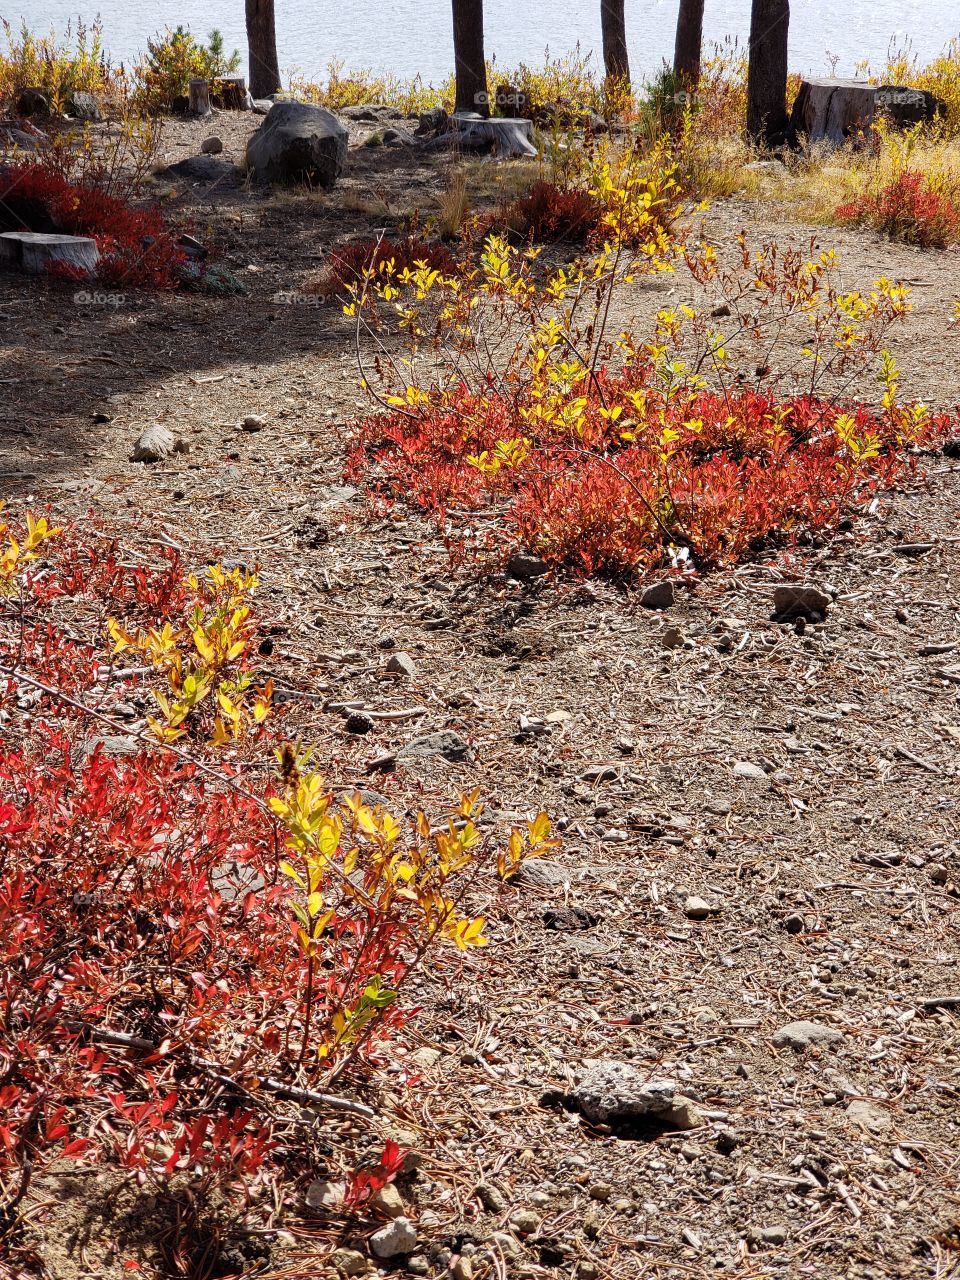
[[351, 262], [911, 209], [743, 472], [548, 213], [135, 250]]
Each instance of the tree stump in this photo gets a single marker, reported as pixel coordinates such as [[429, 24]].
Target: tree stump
[[510, 137], [840, 111], [232, 92], [36, 251], [198, 102]]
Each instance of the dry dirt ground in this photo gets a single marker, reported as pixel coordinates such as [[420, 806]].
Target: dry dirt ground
[[831, 871]]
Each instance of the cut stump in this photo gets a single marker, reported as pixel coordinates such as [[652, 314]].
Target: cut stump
[[36, 251], [198, 101], [232, 92], [510, 137], [841, 111]]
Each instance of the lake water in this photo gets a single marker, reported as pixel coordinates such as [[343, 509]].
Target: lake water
[[413, 37]]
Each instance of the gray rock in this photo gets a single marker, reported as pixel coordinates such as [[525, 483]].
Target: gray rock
[[349, 1262], [744, 769], [525, 1221], [868, 1117], [760, 1236], [524, 566], [205, 170], [491, 1197], [506, 1244], [443, 743], [157, 442], [253, 422], [616, 1091], [33, 102], [19, 139], [324, 1195], [84, 106], [388, 1201], [418, 1265], [211, 146], [298, 142], [261, 106], [402, 664], [792, 601], [433, 122], [111, 744], [660, 595], [801, 1035], [697, 908], [396, 1238]]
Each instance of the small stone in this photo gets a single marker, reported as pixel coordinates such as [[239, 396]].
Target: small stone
[[759, 1236], [253, 422], [794, 923], [396, 1238], [792, 601], [744, 769], [523, 565], [418, 1265], [697, 908], [660, 595], [388, 1201], [727, 1140], [155, 443], [462, 1269], [601, 1191], [491, 1197], [525, 1221], [426, 1056], [801, 1035], [324, 1195], [211, 146], [349, 1262], [869, 1117], [719, 807], [506, 1244], [672, 638], [444, 743], [682, 1115], [587, 1270], [402, 664]]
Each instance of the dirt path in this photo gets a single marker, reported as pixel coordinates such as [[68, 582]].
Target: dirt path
[[829, 865]]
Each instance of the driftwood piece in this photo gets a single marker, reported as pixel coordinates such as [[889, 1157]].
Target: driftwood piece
[[509, 137], [36, 251], [232, 92], [842, 111], [198, 100]]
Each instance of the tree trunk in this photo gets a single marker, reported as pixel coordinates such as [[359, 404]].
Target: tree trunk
[[262, 48], [613, 28], [686, 50], [471, 69], [767, 72]]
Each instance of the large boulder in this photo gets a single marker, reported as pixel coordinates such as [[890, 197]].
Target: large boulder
[[841, 111], [298, 142]]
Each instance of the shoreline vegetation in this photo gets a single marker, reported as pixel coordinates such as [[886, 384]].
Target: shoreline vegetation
[[219, 938]]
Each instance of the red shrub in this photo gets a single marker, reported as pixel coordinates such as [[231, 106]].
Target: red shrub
[[549, 212], [743, 471], [134, 247], [351, 262], [911, 209]]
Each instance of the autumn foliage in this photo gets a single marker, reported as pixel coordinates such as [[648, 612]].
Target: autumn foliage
[[912, 208]]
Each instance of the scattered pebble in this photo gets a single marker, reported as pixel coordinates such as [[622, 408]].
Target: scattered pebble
[[524, 566], [324, 1195], [157, 442], [526, 1221], [211, 146], [402, 664], [792, 601], [252, 422], [698, 908], [660, 595], [744, 769], [801, 1035], [397, 1237], [349, 1262], [388, 1201]]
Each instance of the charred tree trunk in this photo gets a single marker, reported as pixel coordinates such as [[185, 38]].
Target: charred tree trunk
[[613, 28], [686, 50], [262, 48], [471, 69], [767, 72]]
